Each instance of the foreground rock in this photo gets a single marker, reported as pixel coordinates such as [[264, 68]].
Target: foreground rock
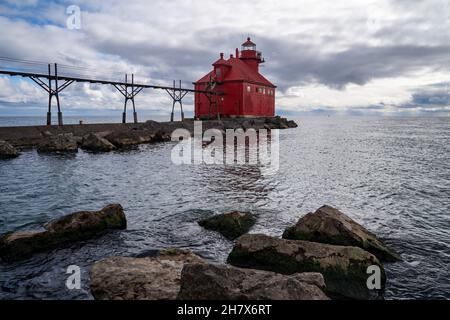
[[152, 278], [344, 268], [96, 143], [73, 227], [7, 151], [64, 142], [231, 225], [329, 225], [223, 282]]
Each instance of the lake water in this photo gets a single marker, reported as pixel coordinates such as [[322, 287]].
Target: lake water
[[390, 174]]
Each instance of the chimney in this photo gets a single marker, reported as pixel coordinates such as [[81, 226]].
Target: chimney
[[237, 53], [231, 56], [221, 55]]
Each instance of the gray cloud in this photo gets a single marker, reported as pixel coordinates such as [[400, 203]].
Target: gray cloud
[[305, 45]]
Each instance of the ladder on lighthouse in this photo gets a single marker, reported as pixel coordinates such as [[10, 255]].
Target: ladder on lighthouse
[[213, 103]]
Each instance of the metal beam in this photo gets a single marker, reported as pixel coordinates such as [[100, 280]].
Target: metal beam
[[76, 79]]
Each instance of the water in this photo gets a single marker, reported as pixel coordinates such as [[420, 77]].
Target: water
[[390, 174]]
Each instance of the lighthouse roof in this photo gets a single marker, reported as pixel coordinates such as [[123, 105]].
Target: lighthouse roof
[[248, 43], [221, 61], [239, 71]]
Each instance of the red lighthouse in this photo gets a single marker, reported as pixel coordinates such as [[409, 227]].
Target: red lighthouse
[[246, 93]]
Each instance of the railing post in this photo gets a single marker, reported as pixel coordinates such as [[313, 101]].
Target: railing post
[[60, 117], [49, 112], [132, 98], [124, 114]]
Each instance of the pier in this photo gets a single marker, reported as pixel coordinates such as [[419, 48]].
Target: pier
[[54, 83]]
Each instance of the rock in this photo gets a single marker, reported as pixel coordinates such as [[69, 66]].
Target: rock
[[329, 225], [150, 278], [64, 142], [96, 143], [224, 282], [344, 268], [248, 124], [78, 140], [128, 138], [231, 225], [73, 227], [161, 136], [279, 123], [7, 151], [291, 124]]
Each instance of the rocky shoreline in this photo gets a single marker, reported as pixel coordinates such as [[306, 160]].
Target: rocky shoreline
[[109, 137], [331, 264]]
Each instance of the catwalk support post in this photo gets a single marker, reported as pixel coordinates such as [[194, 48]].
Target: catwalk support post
[[52, 92], [128, 95], [177, 95]]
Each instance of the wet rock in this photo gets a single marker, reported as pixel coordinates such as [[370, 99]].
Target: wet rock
[[224, 282], [151, 278], [279, 123], [96, 143], [123, 139], [344, 268], [231, 224], [78, 139], [64, 142], [329, 225], [73, 227], [7, 151], [161, 136], [248, 124], [291, 124]]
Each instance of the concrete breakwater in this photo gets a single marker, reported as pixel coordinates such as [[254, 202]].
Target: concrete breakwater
[[34, 136]]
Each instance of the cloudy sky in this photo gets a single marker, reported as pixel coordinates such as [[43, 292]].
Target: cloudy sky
[[346, 57]]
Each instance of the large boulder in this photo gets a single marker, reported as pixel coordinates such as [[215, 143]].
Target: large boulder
[[123, 139], [329, 225], [96, 143], [64, 142], [224, 282], [150, 278], [73, 227], [7, 151], [231, 224], [161, 136], [344, 268]]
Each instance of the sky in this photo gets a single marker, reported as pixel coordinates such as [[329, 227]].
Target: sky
[[384, 57]]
